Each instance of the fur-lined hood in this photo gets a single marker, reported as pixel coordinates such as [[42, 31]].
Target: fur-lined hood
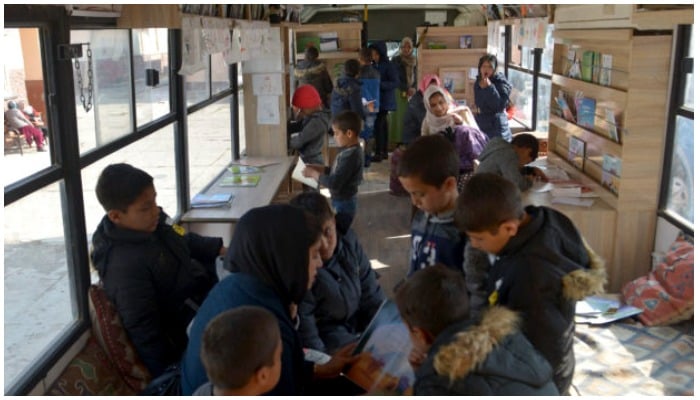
[[311, 68], [490, 357], [581, 283]]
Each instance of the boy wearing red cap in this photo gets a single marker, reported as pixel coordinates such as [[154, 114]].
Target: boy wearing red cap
[[308, 107]]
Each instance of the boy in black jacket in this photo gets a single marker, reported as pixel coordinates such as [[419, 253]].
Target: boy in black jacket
[[155, 274], [540, 265]]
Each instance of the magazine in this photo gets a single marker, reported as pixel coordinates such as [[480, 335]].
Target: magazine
[[245, 169], [240, 180], [384, 347], [201, 200], [600, 310]]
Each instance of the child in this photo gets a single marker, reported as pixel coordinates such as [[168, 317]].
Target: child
[[344, 178], [509, 159], [315, 122], [492, 96], [155, 275], [241, 352], [428, 170], [347, 95], [369, 76], [540, 265], [312, 71], [345, 295], [464, 355]]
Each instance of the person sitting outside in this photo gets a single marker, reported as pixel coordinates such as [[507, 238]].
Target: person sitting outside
[[33, 116], [457, 354], [509, 160], [241, 353], [16, 120], [154, 273], [346, 294], [311, 71]]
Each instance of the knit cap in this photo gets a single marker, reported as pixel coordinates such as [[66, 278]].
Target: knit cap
[[306, 96]]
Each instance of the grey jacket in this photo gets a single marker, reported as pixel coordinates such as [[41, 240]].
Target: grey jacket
[[309, 142], [500, 158], [346, 175], [343, 299]]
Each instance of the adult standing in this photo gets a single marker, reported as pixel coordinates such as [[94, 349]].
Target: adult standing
[[491, 95], [311, 71], [389, 81], [406, 65]]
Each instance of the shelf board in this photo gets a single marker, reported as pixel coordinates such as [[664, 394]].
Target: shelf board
[[332, 27], [328, 55], [452, 52], [590, 89], [588, 136]]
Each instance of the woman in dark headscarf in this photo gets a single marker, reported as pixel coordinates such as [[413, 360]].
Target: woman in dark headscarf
[[491, 95], [273, 255]]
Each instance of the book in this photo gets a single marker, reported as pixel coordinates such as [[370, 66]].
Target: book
[[575, 190], [596, 67], [573, 201], [597, 310], [201, 200], [587, 65], [570, 60], [245, 169], [384, 347], [465, 42], [585, 112], [564, 109], [577, 151], [298, 176], [611, 124], [610, 181], [606, 65], [240, 180], [612, 164]]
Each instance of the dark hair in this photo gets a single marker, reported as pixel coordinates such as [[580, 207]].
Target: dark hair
[[119, 185], [487, 201], [433, 298], [366, 54], [491, 59], [311, 53], [315, 203], [432, 159], [348, 120], [11, 105], [526, 140], [352, 68], [237, 343]]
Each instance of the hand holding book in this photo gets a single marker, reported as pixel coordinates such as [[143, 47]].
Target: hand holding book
[[338, 362]]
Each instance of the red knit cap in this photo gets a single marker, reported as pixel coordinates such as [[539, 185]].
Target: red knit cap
[[306, 96]]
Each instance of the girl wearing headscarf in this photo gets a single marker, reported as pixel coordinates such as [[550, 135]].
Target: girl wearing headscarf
[[413, 119], [271, 268]]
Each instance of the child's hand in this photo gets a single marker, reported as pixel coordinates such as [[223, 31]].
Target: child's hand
[[223, 250], [416, 357], [339, 360], [457, 119], [310, 172]]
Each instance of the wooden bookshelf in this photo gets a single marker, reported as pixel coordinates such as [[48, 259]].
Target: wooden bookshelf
[[349, 42], [637, 94], [431, 60]]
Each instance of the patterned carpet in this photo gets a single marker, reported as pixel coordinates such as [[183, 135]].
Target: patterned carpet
[[631, 359]]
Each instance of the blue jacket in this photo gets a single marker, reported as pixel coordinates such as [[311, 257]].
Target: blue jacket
[[389, 78], [497, 361], [239, 289], [347, 95], [436, 239], [343, 299], [491, 104], [151, 278]]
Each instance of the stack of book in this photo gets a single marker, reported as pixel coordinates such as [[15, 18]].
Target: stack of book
[[201, 200]]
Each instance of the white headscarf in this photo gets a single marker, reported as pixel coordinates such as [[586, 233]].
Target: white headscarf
[[435, 123]]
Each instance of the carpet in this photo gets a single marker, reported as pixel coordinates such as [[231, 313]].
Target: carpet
[[633, 359]]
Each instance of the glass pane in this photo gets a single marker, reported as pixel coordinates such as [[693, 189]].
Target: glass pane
[[26, 123], [501, 54], [521, 95], [151, 60], [38, 304], [548, 51], [154, 154], [197, 86], [689, 92], [680, 188], [219, 73], [544, 90], [241, 123], [209, 143], [104, 66]]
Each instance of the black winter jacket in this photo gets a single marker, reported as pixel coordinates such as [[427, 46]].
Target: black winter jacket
[[491, 104], [316, 74], [347, 95], [413, 118], [490, 358], [153, 279]]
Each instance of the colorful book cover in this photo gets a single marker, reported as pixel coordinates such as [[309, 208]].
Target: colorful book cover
[[240, 180], [574, 66], [611, 123], [245, 169], [465, 42], [201, 200], [610, 181], [606, 65], [585, 112], [587, 65], [564, 108], [612, 165], [596, 67], [577, 151]]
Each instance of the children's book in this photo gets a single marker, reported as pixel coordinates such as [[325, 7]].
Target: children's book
[[606, 65], [574, 67], [587, 65], [201, 200], [577, 151], [240, 180], [585, 112], [465, 42], [596, 67], [610, 181], [298, 176], [612, 165], [384, 347], [564, 108], [611, 123], [245, 169], [600, 310]]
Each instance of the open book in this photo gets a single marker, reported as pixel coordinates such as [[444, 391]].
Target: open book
[[384, 347], [297, 175], [600, 310]]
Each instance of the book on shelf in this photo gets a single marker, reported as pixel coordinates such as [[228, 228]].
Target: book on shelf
[[596, 67], [610, 181], [611, 124], [585, 112], [577, 151], [587, 65], [573, 67], [383, 349], [612, 164], [201, 200], [606, 65], [465, 42], [328, 41], [597, 310], [240, 180], [565, 109]]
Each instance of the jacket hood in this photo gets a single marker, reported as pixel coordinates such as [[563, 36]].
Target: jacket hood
[[585, 282], [470, 348], [380, 46], [346, 84], [308, 67], [494, 146]]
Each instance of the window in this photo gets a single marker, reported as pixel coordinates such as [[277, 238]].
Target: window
[[677, 189], [151, 57]]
